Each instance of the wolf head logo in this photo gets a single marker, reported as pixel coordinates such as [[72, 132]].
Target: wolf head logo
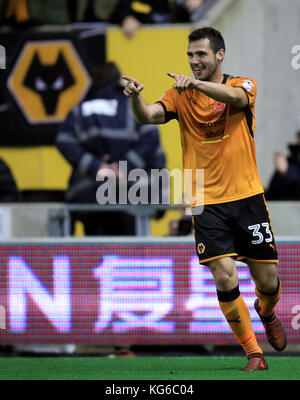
[[49, 81]]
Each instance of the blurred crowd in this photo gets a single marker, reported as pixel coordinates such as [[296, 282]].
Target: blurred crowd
[[128, 14]]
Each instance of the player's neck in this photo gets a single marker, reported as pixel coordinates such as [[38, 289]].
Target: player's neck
[[217, 77]]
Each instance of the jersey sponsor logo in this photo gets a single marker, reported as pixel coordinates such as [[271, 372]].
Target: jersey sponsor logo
[[248, 85], [47, 80], [212, 124], [218, 106], [214, 134]]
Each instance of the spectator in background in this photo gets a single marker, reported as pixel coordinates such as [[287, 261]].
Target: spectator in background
[[181, 227], [22, 13], [285, 182], [94, 10], [189, 10], [131, 15], [9, 192], [97, 134]]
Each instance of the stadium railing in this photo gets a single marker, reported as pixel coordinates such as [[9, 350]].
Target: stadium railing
[[60, 218]]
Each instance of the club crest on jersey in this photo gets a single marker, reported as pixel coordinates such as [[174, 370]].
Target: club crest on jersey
[[248, 85], [218, 106]]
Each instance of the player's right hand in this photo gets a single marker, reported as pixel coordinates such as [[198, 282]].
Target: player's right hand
[[133, 87]]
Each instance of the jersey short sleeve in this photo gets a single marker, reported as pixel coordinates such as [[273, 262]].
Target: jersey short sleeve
[[249, 86], [169, 102]]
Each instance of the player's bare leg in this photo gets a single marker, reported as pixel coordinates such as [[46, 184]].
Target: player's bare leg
[[268, 293], [235, 310], [224, 273]]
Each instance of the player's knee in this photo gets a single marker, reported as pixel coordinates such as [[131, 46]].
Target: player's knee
[[225, 281], [268, 287], [268, 282], [224, 273]]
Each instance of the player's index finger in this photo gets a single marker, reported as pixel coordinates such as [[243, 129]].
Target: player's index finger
[[172, 75], [127, 78]]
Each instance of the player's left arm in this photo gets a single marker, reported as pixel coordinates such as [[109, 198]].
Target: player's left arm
[[218, 91]]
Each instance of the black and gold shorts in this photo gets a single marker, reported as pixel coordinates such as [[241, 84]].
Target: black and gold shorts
[[240, 229]]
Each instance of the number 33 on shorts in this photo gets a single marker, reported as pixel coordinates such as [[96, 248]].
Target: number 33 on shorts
[[261, 232]]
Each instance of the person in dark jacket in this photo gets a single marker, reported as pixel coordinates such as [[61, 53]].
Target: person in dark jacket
[[99, 133], [131, 15], [285, 181]]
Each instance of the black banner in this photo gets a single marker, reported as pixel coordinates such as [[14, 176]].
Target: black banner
[[46, 74]]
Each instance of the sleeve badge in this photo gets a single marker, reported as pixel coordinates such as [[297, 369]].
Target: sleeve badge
[[248, 85]]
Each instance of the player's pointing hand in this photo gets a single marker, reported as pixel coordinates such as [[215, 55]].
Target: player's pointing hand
[[133, 87], [182, 82]]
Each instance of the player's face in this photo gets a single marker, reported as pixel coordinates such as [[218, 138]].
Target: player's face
[[202, 59]]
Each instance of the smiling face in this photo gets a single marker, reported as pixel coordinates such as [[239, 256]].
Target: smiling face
[[204, 63]]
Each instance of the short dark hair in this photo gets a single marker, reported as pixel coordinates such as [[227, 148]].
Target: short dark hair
[[215, 38]]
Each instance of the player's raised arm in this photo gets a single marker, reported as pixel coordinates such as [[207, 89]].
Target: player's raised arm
[[143, 112], [223, 93]]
